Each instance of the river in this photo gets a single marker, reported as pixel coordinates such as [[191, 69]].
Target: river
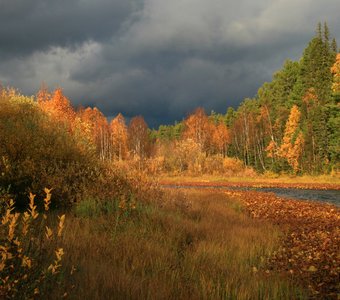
[[329, 196]]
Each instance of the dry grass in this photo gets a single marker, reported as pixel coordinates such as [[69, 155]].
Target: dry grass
[[197, 245], [268, 179]]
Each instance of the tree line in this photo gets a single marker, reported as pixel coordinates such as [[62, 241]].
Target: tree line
[[292, 125]]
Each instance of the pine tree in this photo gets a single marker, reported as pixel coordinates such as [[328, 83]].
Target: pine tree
[[316, 62], [334, 46], [316, 79]]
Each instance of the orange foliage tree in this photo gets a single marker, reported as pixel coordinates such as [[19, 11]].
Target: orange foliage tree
[[221, 138], [56, 105], [43, 95], [98, 128], [187, 155], [138, 137], [198, 128], [119, 137], [336, 75], [293, 141]]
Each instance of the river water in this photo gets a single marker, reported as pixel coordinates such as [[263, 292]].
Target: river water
[[329, 196]]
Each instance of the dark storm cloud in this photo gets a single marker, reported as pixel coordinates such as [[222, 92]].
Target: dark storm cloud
[[157, 58], [30, 25]]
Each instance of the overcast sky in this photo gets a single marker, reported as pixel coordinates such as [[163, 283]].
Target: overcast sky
[[157, 58]]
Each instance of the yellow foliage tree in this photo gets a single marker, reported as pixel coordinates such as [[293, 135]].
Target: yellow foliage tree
[[198, 128], [336, 75], [293, 141], [119, 137], [56, 105], [188, 155], [138, 138], [96, 124], [221, 138]]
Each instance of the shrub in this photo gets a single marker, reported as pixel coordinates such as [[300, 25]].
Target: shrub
[[37, 151], [232, 166], [214, 165], [30, 259]]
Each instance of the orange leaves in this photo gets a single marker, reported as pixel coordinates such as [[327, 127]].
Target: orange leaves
[[293, 141], [197, 128], [221, 137], [210, 137], [291, 126], [295, 152], [336, 75], [56, 105], [43, 94], [119, 137], [310, 243], [96, 125], [272, 149], [95, 121], [138, 137]]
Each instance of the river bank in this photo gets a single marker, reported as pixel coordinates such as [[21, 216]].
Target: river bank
[[310, 245], [304, 182], [310, 240]]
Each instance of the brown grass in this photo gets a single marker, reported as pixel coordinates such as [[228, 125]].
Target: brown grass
[[192, 245], [305, 182]]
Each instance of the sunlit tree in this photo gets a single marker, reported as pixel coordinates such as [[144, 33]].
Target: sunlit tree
[[336, 76], [57, 105], [97, 126], [119, 137], [221, 138], [292, 143], [138, 137], [197, 127]]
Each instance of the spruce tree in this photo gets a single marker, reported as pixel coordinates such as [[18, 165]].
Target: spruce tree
[[316, 78]]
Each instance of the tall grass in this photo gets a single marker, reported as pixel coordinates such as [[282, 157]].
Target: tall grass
[[188, 246], [30, 252]]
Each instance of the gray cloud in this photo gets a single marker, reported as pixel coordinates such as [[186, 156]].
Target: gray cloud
[[36, 25], [157, 58]]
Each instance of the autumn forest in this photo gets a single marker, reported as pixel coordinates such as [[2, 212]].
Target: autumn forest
[[85, 200]]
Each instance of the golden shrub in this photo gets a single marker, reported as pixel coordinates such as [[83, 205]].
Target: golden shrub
[[25, 250]]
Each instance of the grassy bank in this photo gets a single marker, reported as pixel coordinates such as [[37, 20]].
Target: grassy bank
[[192, 246], [321, 181]]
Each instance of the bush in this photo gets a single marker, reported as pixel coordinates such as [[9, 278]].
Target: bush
[[37, 151], [214, 165], [30, 256], [233, 166]]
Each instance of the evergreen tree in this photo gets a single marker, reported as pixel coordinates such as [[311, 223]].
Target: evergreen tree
[[316, 79], [316, 63]]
